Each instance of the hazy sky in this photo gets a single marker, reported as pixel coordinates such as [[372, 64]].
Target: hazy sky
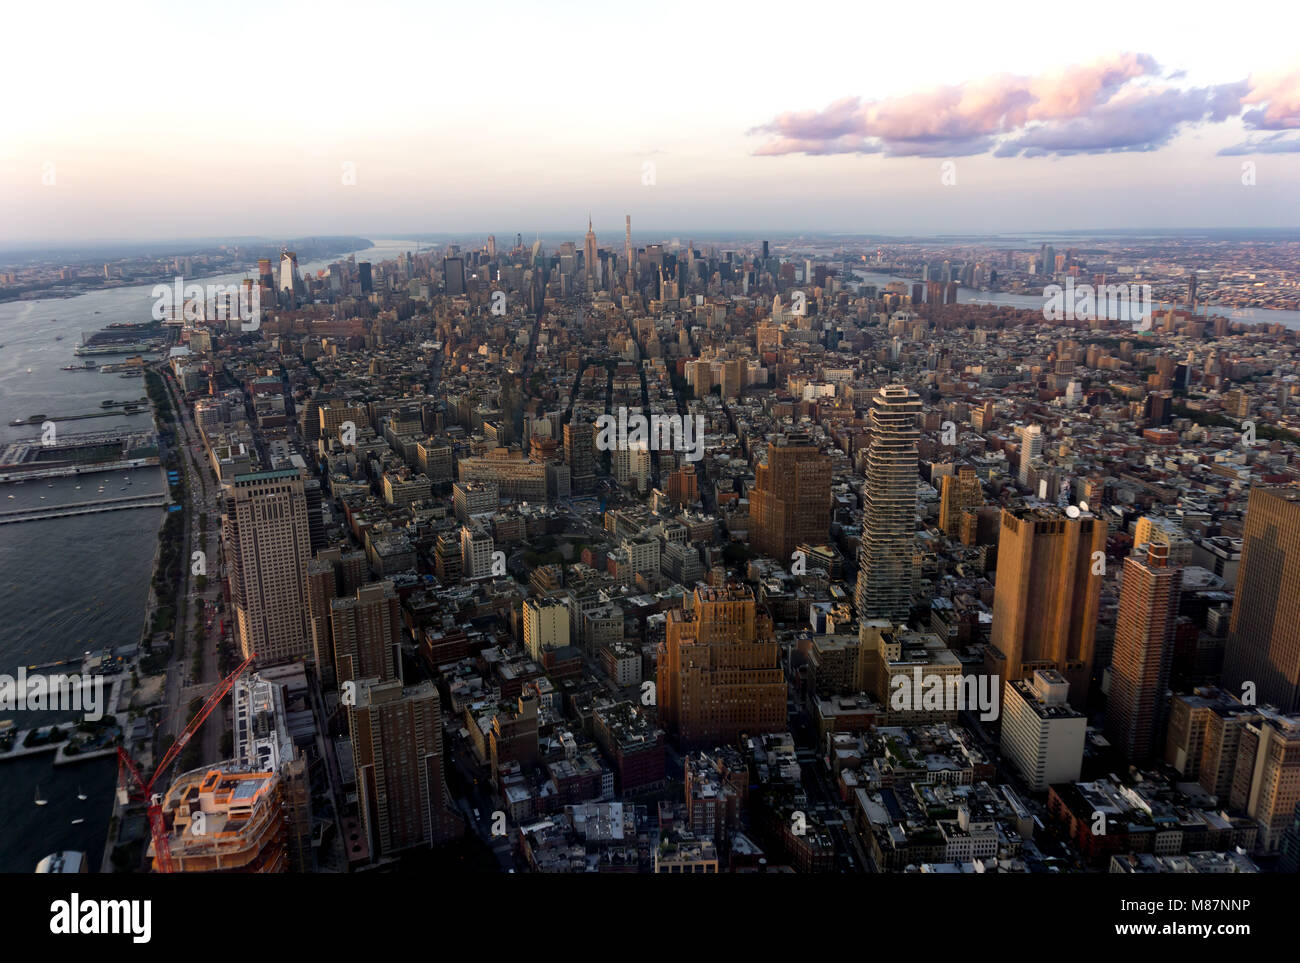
[[176, 119]]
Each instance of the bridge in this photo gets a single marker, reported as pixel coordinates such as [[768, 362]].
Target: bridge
[[15, 515]]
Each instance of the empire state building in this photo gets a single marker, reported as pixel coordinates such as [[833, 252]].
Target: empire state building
[[589, 256]]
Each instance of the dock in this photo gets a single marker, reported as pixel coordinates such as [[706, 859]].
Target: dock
[[14, 515]]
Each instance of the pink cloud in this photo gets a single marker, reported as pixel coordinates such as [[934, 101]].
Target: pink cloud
[[1117, 103]]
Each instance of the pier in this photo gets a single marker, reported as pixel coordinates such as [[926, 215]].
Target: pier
[[14, 515]]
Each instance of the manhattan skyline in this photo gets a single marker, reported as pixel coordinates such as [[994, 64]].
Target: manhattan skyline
[[497, 129]]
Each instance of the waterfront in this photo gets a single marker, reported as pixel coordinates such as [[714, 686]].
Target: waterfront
[[77, 583], [1035, 302]]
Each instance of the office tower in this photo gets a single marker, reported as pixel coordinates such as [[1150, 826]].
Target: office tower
[[719, 672], [546, 625], [1191, 292], [322, 589], [960, 493], [1031, 450], [492, 247], [364, 277], [1264, 639], [589, 254], [579, 452], [1192, 738], [1265, 785], [397, 748], [1168, 532], [514, 737], [1136, 710], [790, 502], [886, 573], [476, 550], [474, 498], [447, 558], [627, 245], [434, 459], [288, 272], [267, 544], [735, 376], [1042, 735], [683, 486], [367, 633], [315, 513], [1048, 590], [632, 467], [453, 272]]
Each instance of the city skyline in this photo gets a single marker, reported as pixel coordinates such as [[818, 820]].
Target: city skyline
[[856, 144], [449, 442]]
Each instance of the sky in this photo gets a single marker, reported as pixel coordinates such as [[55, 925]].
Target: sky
[[149, 120]]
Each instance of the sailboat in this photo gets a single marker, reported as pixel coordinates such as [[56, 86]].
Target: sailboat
[[81, 793], [39, 800]]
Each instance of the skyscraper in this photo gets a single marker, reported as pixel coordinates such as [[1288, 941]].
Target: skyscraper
[[886, 574], [546, 625], [579, 452], [589, 255], [267, 547], [790, 502], [1047, 596], [367, 633], [960, 492], [719, 673], [397, 746], [631, 467], [1264, 639], [453, 271], [1136, 712], [1264, 783], [289, 272], [1031, 450]]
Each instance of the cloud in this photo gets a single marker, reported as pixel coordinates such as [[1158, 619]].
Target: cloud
[[1119, 103], [1274, 144], [1276, 102]]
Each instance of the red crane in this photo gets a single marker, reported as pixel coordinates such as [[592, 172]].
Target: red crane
[[144, 790]]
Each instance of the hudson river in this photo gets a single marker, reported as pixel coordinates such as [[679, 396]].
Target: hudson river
[[73, 584]]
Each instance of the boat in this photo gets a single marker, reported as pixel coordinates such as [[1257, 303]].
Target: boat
[[81, 793], [78, 821], [39, 800], [69, 861]]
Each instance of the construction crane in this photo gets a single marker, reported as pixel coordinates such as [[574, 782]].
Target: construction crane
[[145, 790]]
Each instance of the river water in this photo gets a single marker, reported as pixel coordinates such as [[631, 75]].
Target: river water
[[73, 584], [1035, 302]]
